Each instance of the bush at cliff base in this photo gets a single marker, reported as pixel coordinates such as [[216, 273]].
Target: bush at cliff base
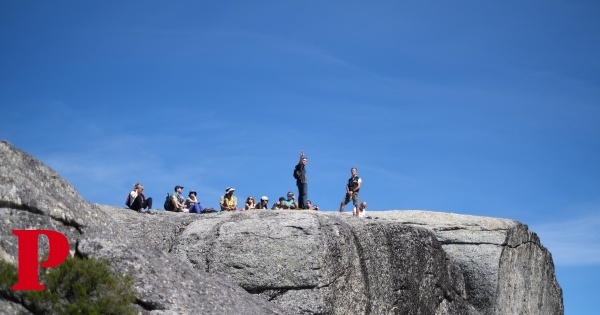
[[77, 286]]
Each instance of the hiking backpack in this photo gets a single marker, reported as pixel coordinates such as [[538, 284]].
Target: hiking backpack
[[296, 173], [169, 206]]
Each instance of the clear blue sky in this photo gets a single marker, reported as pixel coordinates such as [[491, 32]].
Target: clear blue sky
[[488, 108]]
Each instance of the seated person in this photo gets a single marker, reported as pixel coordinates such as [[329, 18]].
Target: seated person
[[250, 203], [178, 201], [310, 206], [228, 201], [137, 201], [264, 203], [279, 205], [192, 203], [291, 203], [361, 211]]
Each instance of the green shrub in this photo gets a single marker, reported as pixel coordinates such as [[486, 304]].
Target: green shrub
[[8, 275], [77, 286]]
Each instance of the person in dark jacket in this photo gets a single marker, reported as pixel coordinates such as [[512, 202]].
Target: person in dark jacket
[[301, 181]]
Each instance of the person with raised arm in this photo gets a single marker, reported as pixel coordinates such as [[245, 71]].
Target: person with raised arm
[[301, 181]]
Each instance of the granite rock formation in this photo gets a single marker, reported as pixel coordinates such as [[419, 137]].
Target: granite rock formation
[[287, 262]]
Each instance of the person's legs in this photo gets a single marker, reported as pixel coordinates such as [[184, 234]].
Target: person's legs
[[137, 204], [355, 199], [195, 208], [344, 202], [302, 195], [147, 203]]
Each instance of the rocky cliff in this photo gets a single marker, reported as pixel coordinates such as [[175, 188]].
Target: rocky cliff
[[287, 262]]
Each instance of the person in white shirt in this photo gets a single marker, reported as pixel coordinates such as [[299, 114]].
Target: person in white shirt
[[361, 211], [352, 189], [137, 201]]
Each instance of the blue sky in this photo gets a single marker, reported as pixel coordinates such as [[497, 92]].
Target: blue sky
[[488, 108]]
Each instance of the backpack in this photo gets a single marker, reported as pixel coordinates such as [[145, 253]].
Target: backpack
[[296, 173], [169, 206]]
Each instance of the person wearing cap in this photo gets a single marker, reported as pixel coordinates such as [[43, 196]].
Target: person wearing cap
[[228, 201], [301, 180], [291, 203], [250, 203], [361, 211], [137, 201], [178, 201], [279, 205], [192, 203], [352, 188], [264, 203]]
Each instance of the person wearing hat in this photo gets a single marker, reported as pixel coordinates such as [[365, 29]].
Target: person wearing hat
[[178, 201], [291, 203], [264, 203], [228, 201], [192, 203]]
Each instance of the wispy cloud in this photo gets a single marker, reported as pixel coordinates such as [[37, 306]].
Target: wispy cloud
[[573, 242]]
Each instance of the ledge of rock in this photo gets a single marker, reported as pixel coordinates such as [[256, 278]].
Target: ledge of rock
[[287, 262]]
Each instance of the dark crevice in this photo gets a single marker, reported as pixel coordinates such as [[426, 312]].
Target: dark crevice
[[521, 244], [469, 243], [37, 211], [453, 228], [274, 293], [177, 232], [299, 228], [79, 254], [211, 245], [12, 298], [363, 268], [148, 306]]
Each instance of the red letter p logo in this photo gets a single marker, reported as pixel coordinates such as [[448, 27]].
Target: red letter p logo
[[58, 250]]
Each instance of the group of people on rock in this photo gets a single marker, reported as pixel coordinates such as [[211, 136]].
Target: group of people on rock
[[229, 202], [137, 201]]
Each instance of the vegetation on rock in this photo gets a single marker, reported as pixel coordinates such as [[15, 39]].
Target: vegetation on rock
[[77, 286]]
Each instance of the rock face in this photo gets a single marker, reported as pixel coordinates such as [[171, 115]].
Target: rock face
[[287, 262], [505, 266], [32, 196]]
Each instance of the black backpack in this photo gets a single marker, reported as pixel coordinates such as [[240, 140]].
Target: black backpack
[[169, 206], [296, 173]]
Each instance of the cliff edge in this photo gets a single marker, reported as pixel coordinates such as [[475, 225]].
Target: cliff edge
[[286, 262]]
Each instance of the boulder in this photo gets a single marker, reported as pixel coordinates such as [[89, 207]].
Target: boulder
[[33, 196], [287, 262]]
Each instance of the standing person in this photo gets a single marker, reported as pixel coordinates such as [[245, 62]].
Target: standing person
[[228, 201], [301, 181], [352, 189], [192, 203], [178, 201], [137, 201], [264, 203]]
